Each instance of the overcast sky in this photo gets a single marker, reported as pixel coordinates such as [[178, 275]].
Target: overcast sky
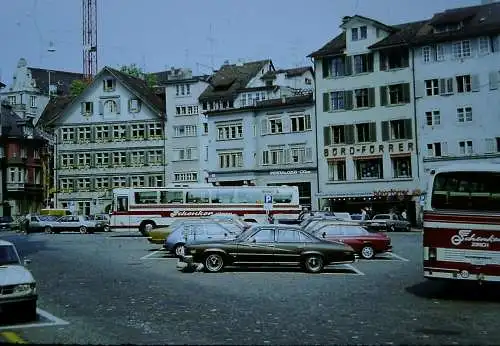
[[158, 34]]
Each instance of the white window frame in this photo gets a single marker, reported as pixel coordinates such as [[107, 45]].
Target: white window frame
[[464, 114], [32, 101], [68, 134], [465, 147], [427, 54], [484, 45], [67, 160], [185, 176], [432, 87], [101, 183], [233, 159], [138, 158], [102, 133], [119, 158], [102, 159], [275, 125], [440, 52], [155, 131], [119, 132], [334, 168], [461, 49], [84, 134], [138, 131], [155, 157], [229, 131], [119, 181], [434, 116], [137, 181], [84, 160], [296, 120]]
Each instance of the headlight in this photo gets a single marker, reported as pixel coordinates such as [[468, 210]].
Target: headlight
[[190, 251], [25, 288]]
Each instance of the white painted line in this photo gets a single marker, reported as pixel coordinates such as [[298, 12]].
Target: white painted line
[[54, 321], [126, 238], [398, 257], [151, 255], [354, 269]]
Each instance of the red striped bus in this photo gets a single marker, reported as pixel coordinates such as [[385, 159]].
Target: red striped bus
[[462, 223], [142, 208]]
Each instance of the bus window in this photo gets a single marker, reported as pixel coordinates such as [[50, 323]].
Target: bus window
[[197, 196], [222, 196], [122, 202], [167, 197], [282, 197], [146, 197], [249, 196]]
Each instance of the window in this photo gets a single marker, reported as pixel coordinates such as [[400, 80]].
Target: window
[[275, 125], [363, 63], [33, 101], [67, 160], [369, 169], [436, 149], [186, 154], [12, 100], [335, 67], [463, 83], [230, 160], [366, 132], [277, 156], [337, 100], [119, 181], [119, 132], [465, 148], [102, 159], [394, 58], [229, 131], [484, 45], [66, 184], [119, 158], [172, 196], [155, 157], [432, 87], [101, 133], [440, 56], [198, 196], [461, 49], [155, 181], [185, 131], [301, 122], [289, 236], [464, 114], [110, 106], [446, 86], [138, 131], [433, 118], [109, 84], [87, 108], [341, 134], [83, 184], [101, 183], [401, 167], [264, 236], [363, 32], [185, 176], [137, 158], [205, 129], [338, 135], [354, 34], [68, 135], [395, 94], [337, 170], [155, 131], [300, 155], [84, 134], [361, 98], [134, 105], [398, 129], [84, 160], [307, 81], [139, 181], [426, 54], [36, 154]]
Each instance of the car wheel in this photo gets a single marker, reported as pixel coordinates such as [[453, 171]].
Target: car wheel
[[146, 227], [48, 230], [314, 264], [392, 228], [367, 252], [179, 250], [408, 229], [83, 230], [106, 228], [214, 263]]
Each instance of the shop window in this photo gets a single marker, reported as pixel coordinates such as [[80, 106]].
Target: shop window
[[402, 167], [369, 169]]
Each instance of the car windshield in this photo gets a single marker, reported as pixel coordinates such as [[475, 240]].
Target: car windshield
[[47, 218], [8, 255]]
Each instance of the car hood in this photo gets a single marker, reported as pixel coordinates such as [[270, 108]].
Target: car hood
[[14, 274]]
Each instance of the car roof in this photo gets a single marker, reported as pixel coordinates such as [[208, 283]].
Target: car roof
[[5, 243], [281, 226]]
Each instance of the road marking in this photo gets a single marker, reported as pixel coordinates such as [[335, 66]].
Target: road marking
[[12, 338], [126, 237], [354, 269], [398, 257], [54, 321], [148, 256]]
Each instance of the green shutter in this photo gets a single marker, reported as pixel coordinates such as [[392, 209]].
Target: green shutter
[[371, 97], [408, 129], [405, 57], [383, 95], [326, 102], [369, 62], [349, 134], [348, 101], [325, 66], [382, 61], [373, 132], [385, 131], [348, 65], [327, 135], [406, 92]]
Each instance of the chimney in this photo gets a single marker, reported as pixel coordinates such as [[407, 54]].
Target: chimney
[[240, 62], [226, 62]]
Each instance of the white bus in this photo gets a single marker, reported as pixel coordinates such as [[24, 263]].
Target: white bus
[[139, 208]]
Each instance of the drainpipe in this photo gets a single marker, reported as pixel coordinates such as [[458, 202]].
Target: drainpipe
[[316, 134], [417, 147]]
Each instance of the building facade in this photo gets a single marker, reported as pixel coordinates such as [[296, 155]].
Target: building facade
[[187, 131], [365, 119], [457, 73], [32, 87], [112, 135]]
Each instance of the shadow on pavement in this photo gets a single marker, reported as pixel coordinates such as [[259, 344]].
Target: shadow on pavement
[[330, 270], [453, 290], [25, 245]]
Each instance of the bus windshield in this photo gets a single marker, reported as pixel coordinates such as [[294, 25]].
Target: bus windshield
[[471, 191]]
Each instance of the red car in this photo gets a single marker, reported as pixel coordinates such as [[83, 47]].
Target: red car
[[365, 243]]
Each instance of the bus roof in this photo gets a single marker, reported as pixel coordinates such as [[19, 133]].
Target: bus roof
[[469, 167], [201, 188]]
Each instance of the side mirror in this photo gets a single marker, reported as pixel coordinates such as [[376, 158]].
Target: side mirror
[[26, 261], [252, 240], [324, 235], [225, 234]]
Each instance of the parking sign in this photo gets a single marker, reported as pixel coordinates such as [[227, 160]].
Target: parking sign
[[268, 202]]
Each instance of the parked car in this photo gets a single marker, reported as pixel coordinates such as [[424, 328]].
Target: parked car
[[199, 231], [40, 223], [5, 223], [388, 222], [17, 285], [366, 244], [72, 223], [269, 245], [304, 216], [310, 223], [102, 222]]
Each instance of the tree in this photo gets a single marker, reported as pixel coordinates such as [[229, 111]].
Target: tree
[[137, 72], [77, 87]]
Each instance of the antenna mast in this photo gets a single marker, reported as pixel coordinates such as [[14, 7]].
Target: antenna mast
[[89, 35]]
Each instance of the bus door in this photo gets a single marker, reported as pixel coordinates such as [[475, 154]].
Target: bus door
[[122, 216]]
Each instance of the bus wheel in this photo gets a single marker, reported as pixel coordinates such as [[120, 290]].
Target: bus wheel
[[146, 227]]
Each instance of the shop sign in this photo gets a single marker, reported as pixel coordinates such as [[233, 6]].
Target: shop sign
[[391, 193], [373, 149], [290, 172]]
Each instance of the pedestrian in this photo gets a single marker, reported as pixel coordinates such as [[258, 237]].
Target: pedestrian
[[403, 214], [363, 214], [270, 218]]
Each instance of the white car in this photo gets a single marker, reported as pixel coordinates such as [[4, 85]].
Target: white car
[[17, 285]]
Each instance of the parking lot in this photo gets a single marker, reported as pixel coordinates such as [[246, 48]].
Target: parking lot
[[117, 288]]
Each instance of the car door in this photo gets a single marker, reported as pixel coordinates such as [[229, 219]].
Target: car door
[[73, 223], [289, 246], [34, 224], [61, 224], [257, 248]]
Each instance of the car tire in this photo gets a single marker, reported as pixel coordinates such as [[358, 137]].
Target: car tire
[[313, 264], [367, 252], [392, 228], [213, 262], [408, 229], [83, 230], [48, 230], [106, 228], [178, 250], [143, 228]]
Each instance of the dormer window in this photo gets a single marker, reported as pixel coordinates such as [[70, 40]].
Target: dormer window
[[447, 27], [360, 33], [109, 84], [354, 34]]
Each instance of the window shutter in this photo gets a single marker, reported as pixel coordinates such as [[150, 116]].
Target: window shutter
[[442, 86], [327, 135], [405, 58], [263, 127], [286, 125], [118, 104], [371, 97], [369, 62], [129, 105], [408, 129], [348, 99], [265, 157], [91, 107], [419, 89], [382, 61], [373, 132], [449, 85], [475, 86], [493, 77], [348, 66], [406, 92], [101, 108], [349, 134], [287, 156], [495, 44], [383, 95], [82, 107], [326, 102], [308, 155], [325, 66], [444, 148], [385, 131]]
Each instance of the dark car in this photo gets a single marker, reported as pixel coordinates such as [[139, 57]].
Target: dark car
[[269, 245], [366, 244], [5, 223]]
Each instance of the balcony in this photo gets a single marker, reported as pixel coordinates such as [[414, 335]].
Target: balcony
[[15, 186]]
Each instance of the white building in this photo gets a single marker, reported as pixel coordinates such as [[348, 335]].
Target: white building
[[365, 118], [265, 135], [457, 64], [111, 135], [30, 89], [187, 130]]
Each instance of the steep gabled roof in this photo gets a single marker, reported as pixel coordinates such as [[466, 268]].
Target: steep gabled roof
[[62, 79], [230, 78], [289, 73], [12, 124], [402, 35], [333, 47], [54, 109]]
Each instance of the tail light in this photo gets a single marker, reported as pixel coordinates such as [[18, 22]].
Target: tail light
[[432, 254]]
